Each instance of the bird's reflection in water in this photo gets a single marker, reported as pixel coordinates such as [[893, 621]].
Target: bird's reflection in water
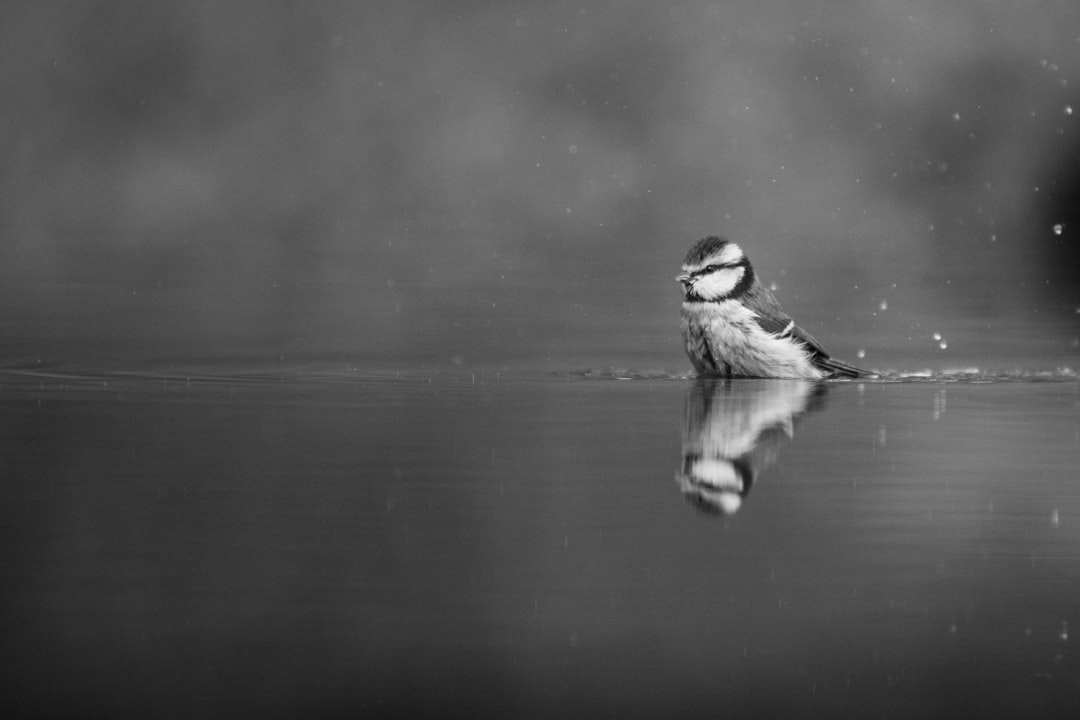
[[734, 430]]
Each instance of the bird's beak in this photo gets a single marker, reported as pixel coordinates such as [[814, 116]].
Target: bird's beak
[[684, 278]]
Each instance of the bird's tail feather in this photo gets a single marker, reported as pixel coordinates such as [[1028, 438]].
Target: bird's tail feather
[[839, 369]]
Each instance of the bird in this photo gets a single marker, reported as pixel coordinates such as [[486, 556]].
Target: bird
[[733, 326]]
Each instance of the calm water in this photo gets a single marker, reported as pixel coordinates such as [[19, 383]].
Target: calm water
[[330, 542]]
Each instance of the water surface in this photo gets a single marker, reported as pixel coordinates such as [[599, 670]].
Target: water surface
[[330, 541]]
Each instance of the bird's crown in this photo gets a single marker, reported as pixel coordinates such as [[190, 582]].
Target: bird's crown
[[714, 250]]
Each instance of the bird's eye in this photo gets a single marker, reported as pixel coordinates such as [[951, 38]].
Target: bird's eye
[[711, 268]]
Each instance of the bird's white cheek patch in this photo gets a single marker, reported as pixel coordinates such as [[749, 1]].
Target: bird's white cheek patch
[[719, 283]]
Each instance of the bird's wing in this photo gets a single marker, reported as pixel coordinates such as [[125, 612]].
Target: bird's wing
[[822, 360], [808, 340], [772, 319], [770, 316]]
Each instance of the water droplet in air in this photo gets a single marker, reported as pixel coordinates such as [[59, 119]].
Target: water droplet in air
[[956, 117], [1068, 110], [937, 336], [860, 354], [1059, 228], [1055, 519], [884, 305], [943, 345]]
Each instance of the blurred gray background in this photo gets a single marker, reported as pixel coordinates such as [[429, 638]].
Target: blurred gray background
[[470, 183]]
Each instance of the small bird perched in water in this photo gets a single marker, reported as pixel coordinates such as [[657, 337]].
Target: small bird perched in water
[[733, 326]]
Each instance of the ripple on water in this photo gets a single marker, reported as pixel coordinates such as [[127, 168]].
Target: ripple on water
[[333, 373], [951, 375]]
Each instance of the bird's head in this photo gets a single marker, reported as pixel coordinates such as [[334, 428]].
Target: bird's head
[[715, 269]]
